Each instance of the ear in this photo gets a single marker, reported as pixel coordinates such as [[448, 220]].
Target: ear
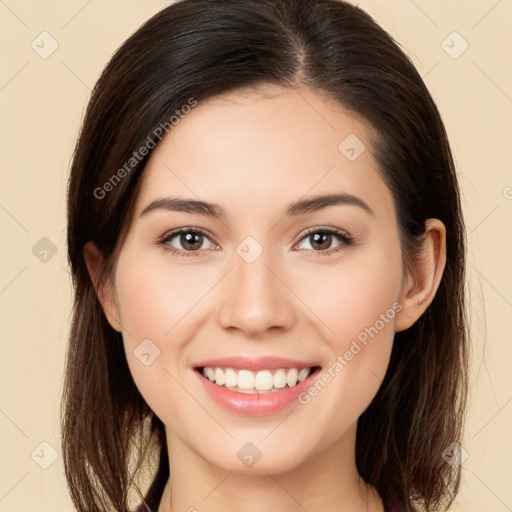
[[105, 292], [422, 281]]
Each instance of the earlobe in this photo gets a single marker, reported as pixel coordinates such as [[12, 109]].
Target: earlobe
[[422, 282], [104, 290]]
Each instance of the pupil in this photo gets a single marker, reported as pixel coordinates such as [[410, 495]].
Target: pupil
[[192, 240], [320, 239]]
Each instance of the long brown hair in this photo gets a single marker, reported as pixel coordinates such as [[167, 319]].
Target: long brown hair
[[200, 48]]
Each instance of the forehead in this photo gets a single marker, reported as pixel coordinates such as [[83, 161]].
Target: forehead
[[255, 149]]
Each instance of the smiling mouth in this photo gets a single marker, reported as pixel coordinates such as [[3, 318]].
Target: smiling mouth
[[256, 382]]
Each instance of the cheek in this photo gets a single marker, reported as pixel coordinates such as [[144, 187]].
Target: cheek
[[157, 303], [156, 297], [356, 303], [352, 295]]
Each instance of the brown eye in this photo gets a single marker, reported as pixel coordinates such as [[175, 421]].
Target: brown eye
[[191, 240], [320, 240], [325, 240], [187, 240]]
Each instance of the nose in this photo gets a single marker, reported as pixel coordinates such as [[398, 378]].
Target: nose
[[254, 298]]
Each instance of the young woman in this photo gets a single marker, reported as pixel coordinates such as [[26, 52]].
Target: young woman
[[268, 256]]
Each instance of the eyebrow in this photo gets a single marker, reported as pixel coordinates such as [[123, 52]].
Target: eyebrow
[[297, 208]]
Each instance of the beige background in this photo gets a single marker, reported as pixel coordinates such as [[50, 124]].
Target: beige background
[[42, 102]]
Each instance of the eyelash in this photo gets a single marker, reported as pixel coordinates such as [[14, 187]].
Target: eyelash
[[164, 241], [345, 239]]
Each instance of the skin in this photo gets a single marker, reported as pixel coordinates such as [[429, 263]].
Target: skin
[[253, 153]]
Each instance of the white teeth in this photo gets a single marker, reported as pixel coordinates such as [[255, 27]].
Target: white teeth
[[263, 381], [245, 379], [280, 379], [219, 376], [231, 378], [291, 376], [303, 374]]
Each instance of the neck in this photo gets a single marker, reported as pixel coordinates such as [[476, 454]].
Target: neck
[[327, 480]]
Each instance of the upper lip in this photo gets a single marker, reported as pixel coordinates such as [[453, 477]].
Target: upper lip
[[254, 363]]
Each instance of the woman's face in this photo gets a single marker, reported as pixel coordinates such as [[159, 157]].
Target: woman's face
[[269, 279]]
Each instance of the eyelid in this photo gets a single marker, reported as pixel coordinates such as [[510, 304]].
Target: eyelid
[[328, 229], [169, 235], [345, 237]]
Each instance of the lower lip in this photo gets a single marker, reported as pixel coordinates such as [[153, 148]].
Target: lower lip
[[255, 404]]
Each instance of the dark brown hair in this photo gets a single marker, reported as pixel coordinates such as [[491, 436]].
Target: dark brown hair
[[198, 49]]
